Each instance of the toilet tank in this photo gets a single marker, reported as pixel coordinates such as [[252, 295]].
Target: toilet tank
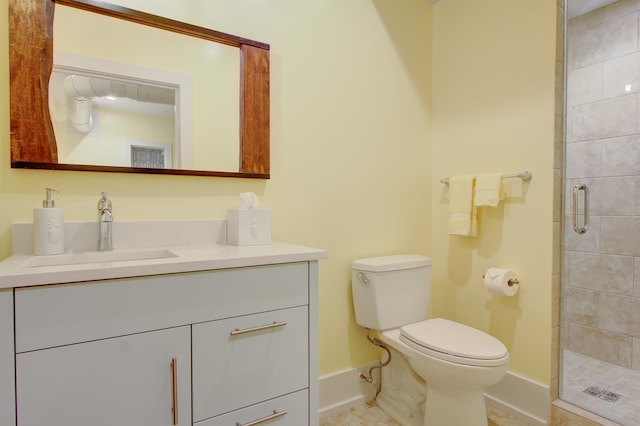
[[390, 291]]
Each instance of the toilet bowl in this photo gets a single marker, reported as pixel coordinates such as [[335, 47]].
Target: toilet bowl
[[455, 373], [456, 361]]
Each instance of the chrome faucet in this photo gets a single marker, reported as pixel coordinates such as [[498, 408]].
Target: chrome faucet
[[105, 220]]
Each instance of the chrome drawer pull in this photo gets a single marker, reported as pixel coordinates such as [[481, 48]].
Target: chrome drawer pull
[[258, 328], [275, 415], [174, 389]]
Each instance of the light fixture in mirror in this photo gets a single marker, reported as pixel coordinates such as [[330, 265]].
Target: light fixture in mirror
[[101, 118], [209, 108]]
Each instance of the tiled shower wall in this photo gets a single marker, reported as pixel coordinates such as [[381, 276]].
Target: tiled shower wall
[[601, 273]]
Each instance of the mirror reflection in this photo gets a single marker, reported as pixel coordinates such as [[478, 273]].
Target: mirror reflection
[[136, 107], [109, 121]]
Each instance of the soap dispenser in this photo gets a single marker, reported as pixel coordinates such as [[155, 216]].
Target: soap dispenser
[[48, 227]]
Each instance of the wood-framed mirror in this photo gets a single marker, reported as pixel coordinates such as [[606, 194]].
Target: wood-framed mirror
[[33, 134]]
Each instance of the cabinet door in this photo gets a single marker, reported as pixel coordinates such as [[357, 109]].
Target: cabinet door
[[128, 380], [7, 354]]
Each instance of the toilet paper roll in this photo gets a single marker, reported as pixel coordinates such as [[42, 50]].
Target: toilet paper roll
[[496, 280]]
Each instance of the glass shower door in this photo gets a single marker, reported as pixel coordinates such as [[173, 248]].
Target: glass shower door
[[600, 330]]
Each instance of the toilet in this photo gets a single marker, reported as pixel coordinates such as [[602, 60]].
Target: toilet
[[457, 362]]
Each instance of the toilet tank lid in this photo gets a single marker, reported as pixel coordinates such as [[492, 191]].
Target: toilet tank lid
[[391, 263]]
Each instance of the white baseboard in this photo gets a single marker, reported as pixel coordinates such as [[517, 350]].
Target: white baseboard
[[343, 390], [515, 395], [521, 398]]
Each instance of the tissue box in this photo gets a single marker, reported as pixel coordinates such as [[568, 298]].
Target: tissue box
[[248, 227]]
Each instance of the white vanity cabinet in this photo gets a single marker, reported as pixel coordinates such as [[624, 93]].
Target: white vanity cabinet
[[225, 346]]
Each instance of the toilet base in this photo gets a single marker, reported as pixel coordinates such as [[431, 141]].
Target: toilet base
[[454, 392], [402, 394], [444, 408], [406, 398]]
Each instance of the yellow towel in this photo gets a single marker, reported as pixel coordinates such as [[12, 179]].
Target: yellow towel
[[488, 191], [512, 187], [462, 212]]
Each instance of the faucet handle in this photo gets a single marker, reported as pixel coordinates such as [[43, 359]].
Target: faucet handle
[[104, 203]]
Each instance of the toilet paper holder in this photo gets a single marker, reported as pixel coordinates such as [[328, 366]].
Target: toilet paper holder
[[511, 282]]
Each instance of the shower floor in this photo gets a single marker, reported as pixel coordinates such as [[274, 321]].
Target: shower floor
[[608, 390]]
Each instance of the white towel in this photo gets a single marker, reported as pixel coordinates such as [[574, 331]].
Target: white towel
[[488, 191], [462, 212]]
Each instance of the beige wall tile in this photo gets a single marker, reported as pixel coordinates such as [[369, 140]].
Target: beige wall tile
[[621, 8], [602, 119], [558, 161], [609, 39], [621, 156], [557, 199], [636, 275], [555, 353], [582, 242], [555, 300], [560, 34], [619, 314], [606, 346], [613, 196], [621, 76], [637, 197], [585, 86], [557, 249], [580, 306], [619, 235], [587, 22], [601, 272], [635, 362], [584, 159]]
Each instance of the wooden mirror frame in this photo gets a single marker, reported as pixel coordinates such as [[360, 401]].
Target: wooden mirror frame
[[33, 142]]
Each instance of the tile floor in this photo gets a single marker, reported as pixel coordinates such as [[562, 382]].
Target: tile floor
[[372, 415], [362, 415], [580, 372]]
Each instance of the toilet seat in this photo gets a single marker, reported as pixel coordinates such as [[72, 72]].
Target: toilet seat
[[454, 342]]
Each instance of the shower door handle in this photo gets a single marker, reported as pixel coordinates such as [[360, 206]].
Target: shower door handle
[[581, 187]]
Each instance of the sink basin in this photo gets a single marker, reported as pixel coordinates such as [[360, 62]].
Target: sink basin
[[98, 257]]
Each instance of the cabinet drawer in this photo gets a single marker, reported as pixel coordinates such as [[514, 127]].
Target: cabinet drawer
[[235, 371], [70, 313], [288, 410]]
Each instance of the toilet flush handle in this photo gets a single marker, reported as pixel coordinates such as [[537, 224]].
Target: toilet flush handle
[[362, 277]]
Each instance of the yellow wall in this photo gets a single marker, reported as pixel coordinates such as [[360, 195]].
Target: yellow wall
[[356, 160], [493, 110], [350, 135]]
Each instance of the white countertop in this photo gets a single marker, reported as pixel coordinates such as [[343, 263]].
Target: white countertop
[[15, 272], [199, 254]]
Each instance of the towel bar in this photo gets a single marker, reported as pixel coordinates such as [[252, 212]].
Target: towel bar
[[525, 176]]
